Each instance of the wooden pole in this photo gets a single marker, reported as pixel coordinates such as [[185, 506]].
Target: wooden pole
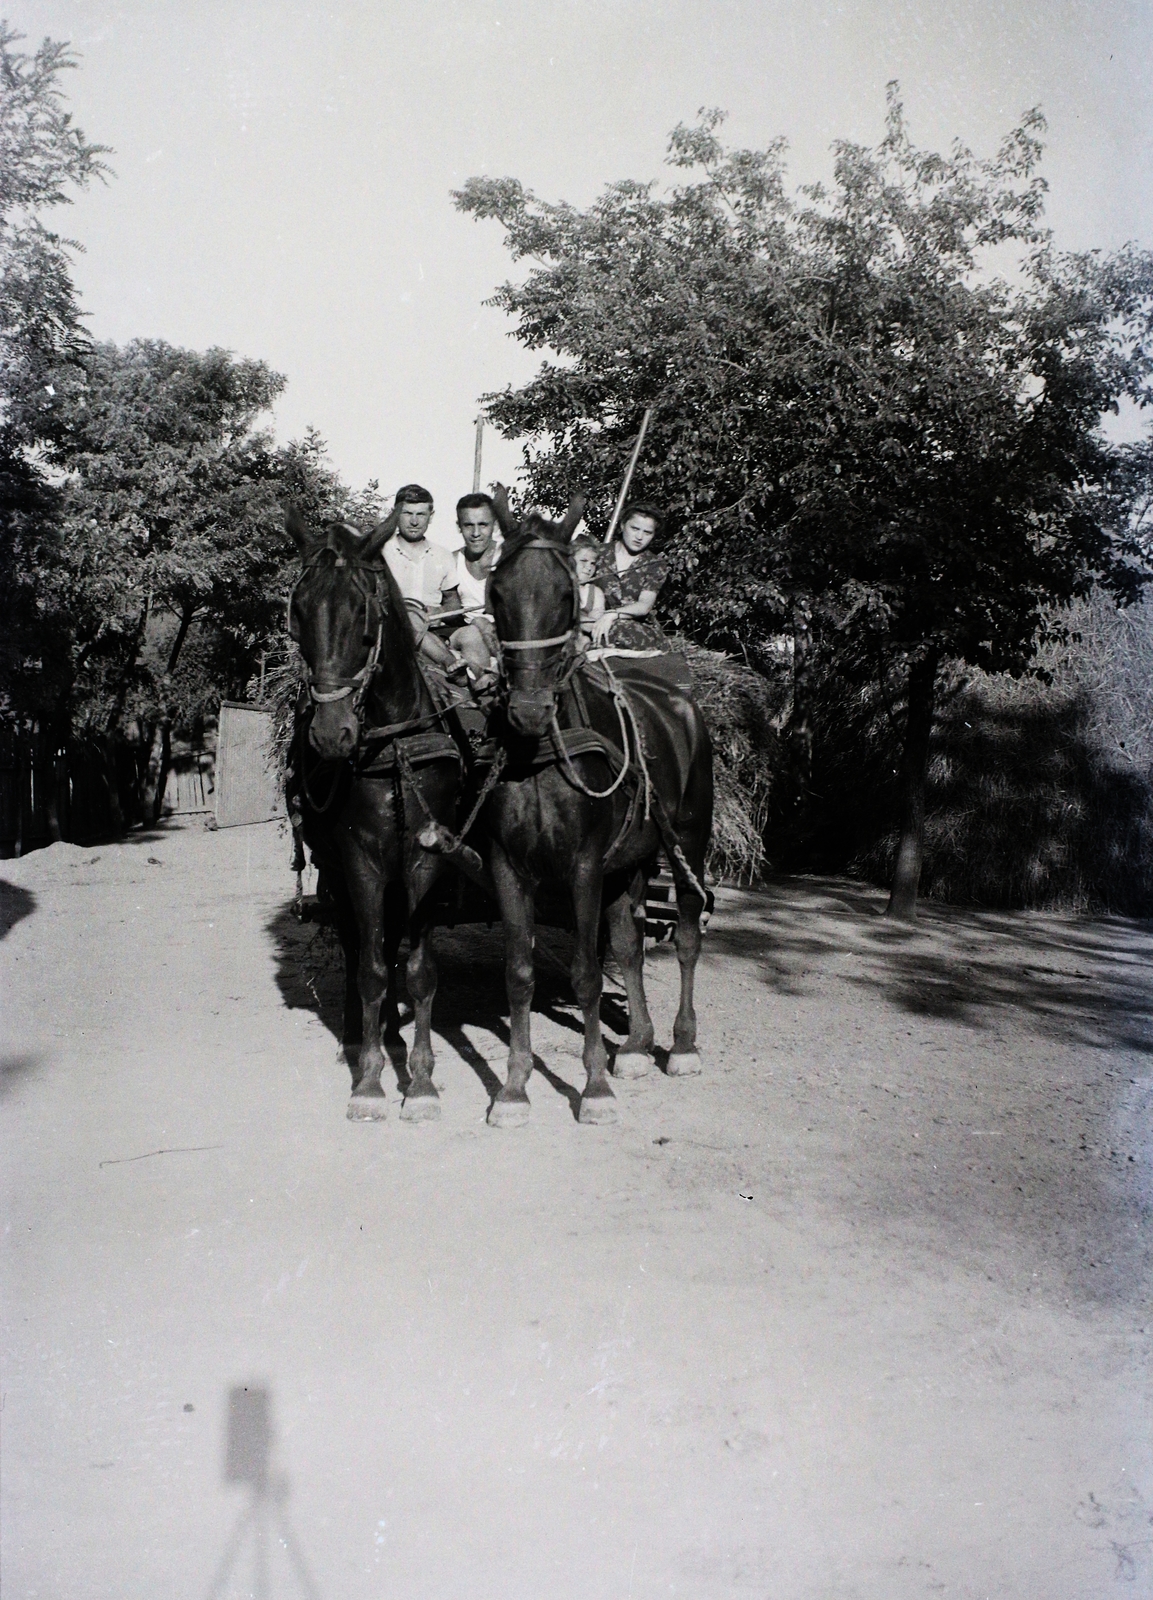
[[476, 456], [623, 496]]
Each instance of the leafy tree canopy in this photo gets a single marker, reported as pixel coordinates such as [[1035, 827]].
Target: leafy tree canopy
[[852, 408], [164, 505], [43, 157], [168, 518]]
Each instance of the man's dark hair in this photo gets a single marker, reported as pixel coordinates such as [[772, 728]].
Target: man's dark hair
[[642, 508], [473, 502], [412, 495]]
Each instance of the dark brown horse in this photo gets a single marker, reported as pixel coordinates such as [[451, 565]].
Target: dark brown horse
[[603, 770], [371, 765]]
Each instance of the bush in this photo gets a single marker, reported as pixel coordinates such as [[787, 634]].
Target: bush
[[1040, 794]]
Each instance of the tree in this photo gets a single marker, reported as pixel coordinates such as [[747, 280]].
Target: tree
[[163, 511], [857, 424], [42, 157], [142, 555]]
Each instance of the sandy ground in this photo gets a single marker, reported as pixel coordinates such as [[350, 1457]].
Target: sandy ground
[[862, 1311]]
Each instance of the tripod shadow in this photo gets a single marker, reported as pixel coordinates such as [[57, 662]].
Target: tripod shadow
[[263, 1521]]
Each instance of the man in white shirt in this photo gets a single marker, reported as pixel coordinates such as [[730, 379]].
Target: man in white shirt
[[476, 640], [425, 572]]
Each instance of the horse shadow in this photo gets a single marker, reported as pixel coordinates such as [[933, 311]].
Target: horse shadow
[[309, 972]]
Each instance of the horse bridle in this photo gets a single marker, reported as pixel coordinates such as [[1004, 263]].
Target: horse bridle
[[563, 660], [324, 690]]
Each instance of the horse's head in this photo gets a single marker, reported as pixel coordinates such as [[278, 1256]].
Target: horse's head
[[338, 612], [536, 606]]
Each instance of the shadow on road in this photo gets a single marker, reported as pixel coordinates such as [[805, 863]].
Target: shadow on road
[[979, 1082], [16, 1067], [470, 990], [1091, 981], [16, 903], [982, 1079], [263, 1528]]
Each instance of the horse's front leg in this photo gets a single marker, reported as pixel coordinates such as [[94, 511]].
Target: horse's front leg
[[421, 1101], [635, 1056], [344, 920], [366, 890], [683, 1058], [394, 928], [510, 1109], [597, 1102]]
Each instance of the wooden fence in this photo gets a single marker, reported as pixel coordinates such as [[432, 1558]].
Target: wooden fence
[[52, 788], [80, 789]]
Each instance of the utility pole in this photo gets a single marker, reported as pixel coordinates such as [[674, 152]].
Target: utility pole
[[476, 456], [623, 496]]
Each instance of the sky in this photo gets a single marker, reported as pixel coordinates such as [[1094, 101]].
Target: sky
[[283, 171]]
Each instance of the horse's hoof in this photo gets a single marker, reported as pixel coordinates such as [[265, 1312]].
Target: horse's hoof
[[598, 1110], [631, 1064], [420, 1108], [368, 1107], [683, 1064], [508, 1113]]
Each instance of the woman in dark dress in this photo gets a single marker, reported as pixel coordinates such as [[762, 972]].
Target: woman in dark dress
[[631, 575]]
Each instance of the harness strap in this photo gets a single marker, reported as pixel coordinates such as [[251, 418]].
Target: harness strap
[[539, 644], [419, 751], [391, 729], [438, 836]]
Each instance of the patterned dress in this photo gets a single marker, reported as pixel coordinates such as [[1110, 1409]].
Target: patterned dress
[[648, 571]]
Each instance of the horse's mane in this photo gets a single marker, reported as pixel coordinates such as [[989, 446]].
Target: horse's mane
[[400, 612], [350, 546]]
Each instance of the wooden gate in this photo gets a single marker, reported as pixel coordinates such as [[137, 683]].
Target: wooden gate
[[248, 788]]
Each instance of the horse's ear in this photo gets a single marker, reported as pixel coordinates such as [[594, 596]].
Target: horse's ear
[[571, 519], [298, 529], [503, 515], [376, 537]]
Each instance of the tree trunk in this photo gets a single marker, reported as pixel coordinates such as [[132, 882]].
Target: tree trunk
[[57, 799], [800, 720], [155, 773], [21, 745], [914, 769], [107, 747], [121, 693], [186, 616]]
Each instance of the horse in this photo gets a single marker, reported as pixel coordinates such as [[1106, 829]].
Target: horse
[[602, 768], [371, 764]]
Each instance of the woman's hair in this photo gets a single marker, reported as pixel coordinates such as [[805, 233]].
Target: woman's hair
[[585, 541], [642, 508]]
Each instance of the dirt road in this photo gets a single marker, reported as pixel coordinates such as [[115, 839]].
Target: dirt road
[[862, 1311]]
